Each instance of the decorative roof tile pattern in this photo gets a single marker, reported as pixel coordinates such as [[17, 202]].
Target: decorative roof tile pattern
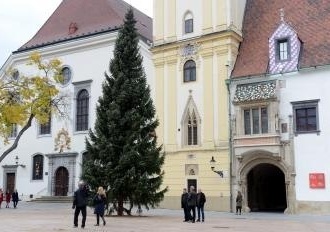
[[78, 18], [275, 65], [309, 18], [255, 92]]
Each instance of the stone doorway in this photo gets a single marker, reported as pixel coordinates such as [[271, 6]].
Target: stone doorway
[[62, 174], [266, 189], [61, 181], [10, 186]]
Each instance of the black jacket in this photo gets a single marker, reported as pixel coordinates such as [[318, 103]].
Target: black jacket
[[201, 199], [80, 198], [184, 199]]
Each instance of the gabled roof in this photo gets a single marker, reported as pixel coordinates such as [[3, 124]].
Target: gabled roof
[[310, 19], [86, 17]]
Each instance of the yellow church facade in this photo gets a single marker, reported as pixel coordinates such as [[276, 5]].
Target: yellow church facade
[[195, 44]]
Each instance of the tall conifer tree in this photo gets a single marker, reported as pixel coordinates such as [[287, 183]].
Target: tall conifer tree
[[122, 148]]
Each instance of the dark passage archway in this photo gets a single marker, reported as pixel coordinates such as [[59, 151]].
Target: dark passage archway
[[266, 189]]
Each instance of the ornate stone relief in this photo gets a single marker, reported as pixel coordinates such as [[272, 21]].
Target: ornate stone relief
[[255, 92]]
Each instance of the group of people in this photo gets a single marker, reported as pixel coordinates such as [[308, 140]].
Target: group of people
[[80, 202], [192, 200], [7, 196]]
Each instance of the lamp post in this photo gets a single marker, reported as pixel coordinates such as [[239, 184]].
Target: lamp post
[[212, 164]]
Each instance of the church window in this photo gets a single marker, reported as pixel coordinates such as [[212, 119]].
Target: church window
[[13, 130], [45, 129], [66, 73], [188, 23], [192, 129], [189, 71], [38, 165], [82, 109]]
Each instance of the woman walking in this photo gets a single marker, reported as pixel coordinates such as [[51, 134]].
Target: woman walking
[[99, 203]]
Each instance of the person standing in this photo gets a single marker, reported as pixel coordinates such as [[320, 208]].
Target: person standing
[[239, 201], [192, 200], [184, 205], [1, 197], [80, 199], [201, 199], [99, 204], [8, 197], [14, 197]]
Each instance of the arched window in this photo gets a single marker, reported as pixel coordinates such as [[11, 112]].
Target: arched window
[[66, 73], [189, 71], [191, 124], [82, 110], [38, 167], [45, 129], [188, 23], [192, 129]]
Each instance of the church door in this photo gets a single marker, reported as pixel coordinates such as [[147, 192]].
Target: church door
[[10, 182], [61, 182]]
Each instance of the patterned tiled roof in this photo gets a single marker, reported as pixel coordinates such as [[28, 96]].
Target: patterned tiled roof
[[309, 18], [78, 18]]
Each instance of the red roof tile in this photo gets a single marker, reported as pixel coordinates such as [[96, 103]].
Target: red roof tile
[[309, 18], [89, 17]]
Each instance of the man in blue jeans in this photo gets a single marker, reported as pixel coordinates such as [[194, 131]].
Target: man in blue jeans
[[201, 199], [80, 199]]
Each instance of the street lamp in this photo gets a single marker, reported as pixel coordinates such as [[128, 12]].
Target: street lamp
[[16, 161], [212, 164]]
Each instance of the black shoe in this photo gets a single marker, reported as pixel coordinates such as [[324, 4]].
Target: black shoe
[[202, 220], [82, 227], [198, 220], [104, 223]]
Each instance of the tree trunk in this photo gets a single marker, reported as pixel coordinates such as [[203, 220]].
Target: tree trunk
[[120, 207], [14, 145]]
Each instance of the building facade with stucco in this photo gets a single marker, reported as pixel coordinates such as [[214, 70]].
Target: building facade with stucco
[[279, 96], [81, 34]]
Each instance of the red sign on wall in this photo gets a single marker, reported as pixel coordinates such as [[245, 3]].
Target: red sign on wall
[[316, 180]]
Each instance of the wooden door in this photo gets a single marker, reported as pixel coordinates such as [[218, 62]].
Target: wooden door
[[61, 182], [10, 182]]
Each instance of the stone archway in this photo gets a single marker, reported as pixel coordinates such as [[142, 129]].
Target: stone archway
[[266, 168], [266, 189]]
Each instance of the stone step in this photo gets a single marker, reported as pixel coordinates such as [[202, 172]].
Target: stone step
[[53, 199]]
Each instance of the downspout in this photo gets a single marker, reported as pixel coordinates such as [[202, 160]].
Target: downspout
[[228, 82]]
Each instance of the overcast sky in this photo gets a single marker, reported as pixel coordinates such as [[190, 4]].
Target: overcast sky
[[21, 19]]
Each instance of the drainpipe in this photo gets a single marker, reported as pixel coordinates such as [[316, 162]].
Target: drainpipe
[[228, 82]]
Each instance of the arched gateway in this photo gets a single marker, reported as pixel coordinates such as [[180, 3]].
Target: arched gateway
[[266, 190], [266, 181]]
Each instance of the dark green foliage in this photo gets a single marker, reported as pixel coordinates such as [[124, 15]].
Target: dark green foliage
[[123, 151]]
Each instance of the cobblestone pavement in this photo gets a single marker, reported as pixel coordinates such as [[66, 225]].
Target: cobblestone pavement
[[46, 217]]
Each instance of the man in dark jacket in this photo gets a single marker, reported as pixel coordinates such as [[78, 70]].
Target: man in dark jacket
[[201, 199], [184, 205], [14, 198], [80, 199], [192, 200]]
